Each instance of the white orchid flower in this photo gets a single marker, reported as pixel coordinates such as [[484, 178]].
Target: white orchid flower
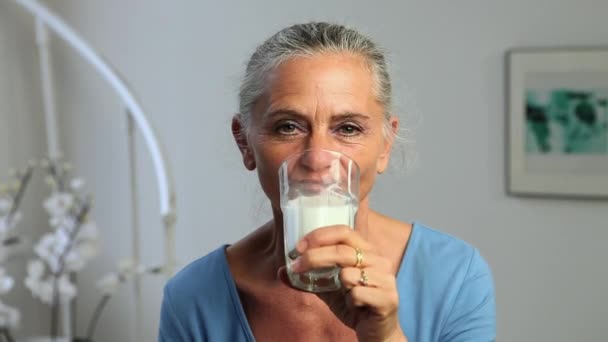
[[59, 203], [6, 203], [77, 184], [61, 242], [4, 225], [35, 269], [44, 289], [142, 269], [126, 266], [7, 223], [84, 248], [55, 221], [40, 288], [79, 255], [109, 283], [67, 223], [88, 231], [127, 269], [45, 249], [88, 249], [33, 280], [9, 316], [6, 282], [67, 290], [74, 262], [68, 247]]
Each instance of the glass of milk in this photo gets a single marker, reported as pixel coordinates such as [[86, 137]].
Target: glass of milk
[[319, 188]]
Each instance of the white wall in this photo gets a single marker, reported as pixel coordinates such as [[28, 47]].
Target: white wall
[[185, 59], [21, 139]]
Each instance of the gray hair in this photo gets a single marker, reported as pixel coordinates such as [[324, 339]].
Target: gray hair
[[308, 40]]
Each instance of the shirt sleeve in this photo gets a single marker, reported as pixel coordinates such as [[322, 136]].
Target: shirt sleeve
[[170, 328], [473, 316]]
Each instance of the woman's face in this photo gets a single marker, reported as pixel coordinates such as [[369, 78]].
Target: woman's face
[[322, 102]]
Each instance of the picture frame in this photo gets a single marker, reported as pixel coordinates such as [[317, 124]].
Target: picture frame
[[557, 119]]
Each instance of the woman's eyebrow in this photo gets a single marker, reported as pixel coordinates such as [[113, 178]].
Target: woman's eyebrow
[[334, 117], [350, 115], [283, 112]]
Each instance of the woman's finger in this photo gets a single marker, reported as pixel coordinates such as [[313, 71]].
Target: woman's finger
[[379, 300], [333, 235], [340, 255], [351, 277]]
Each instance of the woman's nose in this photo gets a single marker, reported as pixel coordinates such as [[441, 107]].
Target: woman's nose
[[316, 160], [319, 159]]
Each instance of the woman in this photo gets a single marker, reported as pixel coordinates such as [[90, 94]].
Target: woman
[[324, 86]]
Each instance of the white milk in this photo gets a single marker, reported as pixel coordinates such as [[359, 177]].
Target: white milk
[[307, 213]]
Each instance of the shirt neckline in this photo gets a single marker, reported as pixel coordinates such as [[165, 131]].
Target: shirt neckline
[[234, 296], [236, 299]]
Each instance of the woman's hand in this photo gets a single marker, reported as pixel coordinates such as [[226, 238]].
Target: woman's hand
[[368, 301]]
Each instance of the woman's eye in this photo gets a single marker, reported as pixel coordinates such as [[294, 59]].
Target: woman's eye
[[349, 129], [287, 128]]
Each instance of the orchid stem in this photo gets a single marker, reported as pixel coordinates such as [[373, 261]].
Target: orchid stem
[[19, 196], [98, 310], [80, 217]]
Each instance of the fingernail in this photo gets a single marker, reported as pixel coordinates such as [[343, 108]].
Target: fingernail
[[301, 246]]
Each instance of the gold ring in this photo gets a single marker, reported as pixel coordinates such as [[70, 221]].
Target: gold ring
[[359, 256], [363, 280]]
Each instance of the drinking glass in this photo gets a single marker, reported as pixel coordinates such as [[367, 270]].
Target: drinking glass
[[318, 188]]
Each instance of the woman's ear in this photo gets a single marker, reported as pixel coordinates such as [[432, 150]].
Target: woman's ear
[[383, 159], [240, 137]]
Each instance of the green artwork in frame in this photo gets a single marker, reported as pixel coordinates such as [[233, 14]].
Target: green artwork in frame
[[557, 121]]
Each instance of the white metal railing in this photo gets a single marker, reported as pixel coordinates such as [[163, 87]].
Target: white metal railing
[[45, 20]]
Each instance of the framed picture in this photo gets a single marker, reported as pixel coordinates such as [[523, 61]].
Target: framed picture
[[558, 122]]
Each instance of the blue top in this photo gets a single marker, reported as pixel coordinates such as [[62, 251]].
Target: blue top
[[445, 289]]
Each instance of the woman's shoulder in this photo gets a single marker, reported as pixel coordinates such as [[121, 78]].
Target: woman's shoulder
[[207, 273], [450, 278], [201, 303], [442, 264], [437, 248]]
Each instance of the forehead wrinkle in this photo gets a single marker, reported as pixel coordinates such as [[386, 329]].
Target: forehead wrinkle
[[334, 94]]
